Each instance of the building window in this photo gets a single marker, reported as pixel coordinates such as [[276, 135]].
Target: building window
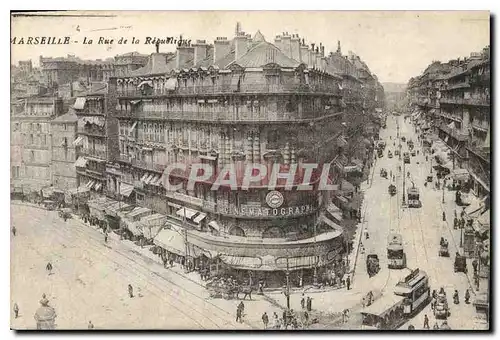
[[65, 127], [31, 139], [32, 155]]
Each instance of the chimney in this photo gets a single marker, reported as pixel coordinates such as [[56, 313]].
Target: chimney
[[304, 53], [312, 57], [200, 51], [222, 48], [184, 54], [295, 46], [318, 57], [240, 45], [278, 42], [322, 50], [287, 48]]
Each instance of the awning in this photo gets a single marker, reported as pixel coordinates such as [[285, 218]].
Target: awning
[[152, 224], [186, 212], [81, 162], [343, 199], [78, 141], [126, 189], [149, 178], [346, 186], [335, 212], [98, 186], [79, 103], [154, 180], [79, 190], [89, 184], [241, 262], [112, 209], [132, 227], [199, 218], [138, 211], [171, 240], [143, 178], [132, 127], [171, 84], [146, 82], [214, 225], [134, 102], [451, 125]]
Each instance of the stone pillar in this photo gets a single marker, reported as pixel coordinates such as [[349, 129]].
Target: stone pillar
[[293, 157], [256, 148], [286, 154], [249, 149]]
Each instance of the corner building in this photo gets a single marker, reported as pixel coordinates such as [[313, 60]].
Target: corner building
[[237, 102]]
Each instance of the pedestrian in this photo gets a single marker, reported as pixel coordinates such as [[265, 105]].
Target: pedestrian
[[276, 321], [91, 325], [130, 291], [265, 320], [436, 326], [16, 310], [467, 296], [444, 217], [303, 302], [426, 322], [105, 237], [49, 268], [348, 282], [363, 302], [285, 318], [474, 265], [14, 230], [462, 214], [309, 304], [433, 303], [241, 306], [238, 314], [476, 281], [261, 287]]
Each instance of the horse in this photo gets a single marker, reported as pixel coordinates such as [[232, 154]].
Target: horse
[[247, 291]]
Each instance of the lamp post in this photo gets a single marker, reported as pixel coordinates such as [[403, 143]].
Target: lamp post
[[443, 191], [461, 237], [287, 287], [404, 181]]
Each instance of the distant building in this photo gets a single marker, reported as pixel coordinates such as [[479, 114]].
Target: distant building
[[128, 62], [64, 132], [31, 141]]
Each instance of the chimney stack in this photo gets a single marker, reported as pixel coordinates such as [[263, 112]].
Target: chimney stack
[[222, 48], [184, 53], [287, 48], [295, 47], [304, 53], [240, 45], [200, 51], [278, 42], [312, 56]]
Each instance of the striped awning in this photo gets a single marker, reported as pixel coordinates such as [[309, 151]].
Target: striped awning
[[79, 103], [214, 225], [201, 216], [78, 141], [81, 162], [126, 189]]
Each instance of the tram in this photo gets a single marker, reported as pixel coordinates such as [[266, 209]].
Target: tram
[[416, 291], [395, 252], [414, 198]]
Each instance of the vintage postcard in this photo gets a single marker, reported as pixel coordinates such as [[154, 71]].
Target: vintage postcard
[[250, 170]]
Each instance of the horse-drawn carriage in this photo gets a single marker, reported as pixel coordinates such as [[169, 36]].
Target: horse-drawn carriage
[[441, 310], [443, 250], [460, 264], [227, 289], [65, 213], [383, 173], [392, 190]]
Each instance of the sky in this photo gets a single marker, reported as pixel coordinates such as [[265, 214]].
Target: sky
[[396, 45]]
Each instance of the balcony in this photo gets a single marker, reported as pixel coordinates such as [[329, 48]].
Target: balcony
[[227, 89], [481, 125], [142, 164], [460, 85], [218, 116], [101, 154], [480, 101], [481, 79], [94, 132]]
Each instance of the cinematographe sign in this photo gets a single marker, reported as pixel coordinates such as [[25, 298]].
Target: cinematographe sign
[[255, 211], [274, 199]]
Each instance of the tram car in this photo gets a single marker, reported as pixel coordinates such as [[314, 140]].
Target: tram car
[[395, 252], [392, 190], [414, 198], [415, 288]]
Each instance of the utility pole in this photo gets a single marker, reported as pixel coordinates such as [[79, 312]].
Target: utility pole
[[287, 288], [404, 181], [185, 240], [443, 190]]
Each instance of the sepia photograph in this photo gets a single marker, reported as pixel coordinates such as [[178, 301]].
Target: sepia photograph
[[250, 170]]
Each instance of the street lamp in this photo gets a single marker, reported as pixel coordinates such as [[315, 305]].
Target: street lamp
[[443, 191], [286, 291]]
